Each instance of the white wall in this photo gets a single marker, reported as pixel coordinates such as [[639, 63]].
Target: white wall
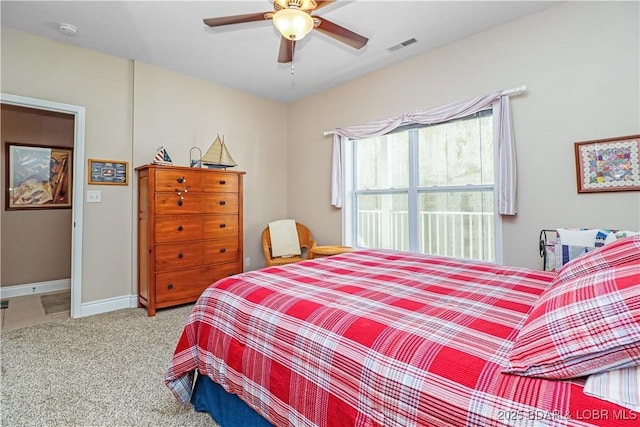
[[580, 61]]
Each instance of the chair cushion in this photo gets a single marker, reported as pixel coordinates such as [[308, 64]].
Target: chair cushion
[[284, 238]]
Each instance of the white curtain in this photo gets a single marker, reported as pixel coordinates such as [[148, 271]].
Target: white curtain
[[500, 103]]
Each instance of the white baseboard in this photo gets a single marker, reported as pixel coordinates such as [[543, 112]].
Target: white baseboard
[[109, 304], [34, 288], [87, 308]]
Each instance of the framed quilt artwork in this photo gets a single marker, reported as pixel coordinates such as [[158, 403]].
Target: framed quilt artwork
[[611, 164]]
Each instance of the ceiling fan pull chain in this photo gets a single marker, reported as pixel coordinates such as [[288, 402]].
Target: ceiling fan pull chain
[[293, 71]]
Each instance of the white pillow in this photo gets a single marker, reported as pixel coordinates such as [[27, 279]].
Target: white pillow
[[620, 386], [578, 237]]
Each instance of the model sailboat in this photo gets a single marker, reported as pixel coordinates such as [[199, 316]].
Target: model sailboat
[[217, 156], [162, 157]]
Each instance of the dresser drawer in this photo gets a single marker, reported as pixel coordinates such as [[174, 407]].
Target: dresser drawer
[[180, 285], [175, 179], [223, 250], [220, 226], [178, 256], [187, 285], [171, 203], [177, 228], [220, 203], [221, 183], [226, 270]]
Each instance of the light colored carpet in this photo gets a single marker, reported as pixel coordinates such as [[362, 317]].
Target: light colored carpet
[[102, 370]]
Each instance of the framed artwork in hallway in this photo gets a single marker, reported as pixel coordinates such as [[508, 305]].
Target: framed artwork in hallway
[[38, 177]]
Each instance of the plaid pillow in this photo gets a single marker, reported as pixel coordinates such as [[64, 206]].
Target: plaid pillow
[[621, 251], [582, 326]]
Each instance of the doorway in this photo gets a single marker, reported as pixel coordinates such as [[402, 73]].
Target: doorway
[[78, 185]]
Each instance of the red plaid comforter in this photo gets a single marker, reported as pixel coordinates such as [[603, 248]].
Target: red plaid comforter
[[378, 338]]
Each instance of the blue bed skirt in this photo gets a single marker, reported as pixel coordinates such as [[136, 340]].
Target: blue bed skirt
[[225, 408]]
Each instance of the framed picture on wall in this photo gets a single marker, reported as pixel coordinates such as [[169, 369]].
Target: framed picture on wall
[[38, 176], [110, 172], [611, 164]]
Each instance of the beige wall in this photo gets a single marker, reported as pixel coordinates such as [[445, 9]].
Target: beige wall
[[36, 243], [170, 109], [180, 112], [40, 68], [580, 62]]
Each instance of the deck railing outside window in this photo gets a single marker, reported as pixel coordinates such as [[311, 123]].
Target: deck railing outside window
[[456, 234]]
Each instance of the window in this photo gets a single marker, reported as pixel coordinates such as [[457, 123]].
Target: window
[[425, 189]]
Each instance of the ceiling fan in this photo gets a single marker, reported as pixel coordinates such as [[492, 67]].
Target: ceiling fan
[[293, 20]]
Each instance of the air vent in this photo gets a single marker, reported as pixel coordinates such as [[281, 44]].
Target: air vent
[[403, 44]]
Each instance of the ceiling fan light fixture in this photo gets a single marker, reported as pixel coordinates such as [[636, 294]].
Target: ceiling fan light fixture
[[293, 23]]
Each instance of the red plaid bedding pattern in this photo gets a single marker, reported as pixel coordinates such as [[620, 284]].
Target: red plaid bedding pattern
[[582, 326], [378, 338]]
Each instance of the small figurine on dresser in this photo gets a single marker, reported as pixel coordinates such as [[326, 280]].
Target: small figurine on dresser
[[162, 157]]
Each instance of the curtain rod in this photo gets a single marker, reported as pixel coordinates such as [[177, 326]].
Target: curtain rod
[[513, 91]]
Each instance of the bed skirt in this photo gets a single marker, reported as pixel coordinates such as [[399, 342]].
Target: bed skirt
[[225, 408]]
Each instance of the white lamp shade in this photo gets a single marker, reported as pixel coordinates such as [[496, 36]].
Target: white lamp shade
[[293, 24]]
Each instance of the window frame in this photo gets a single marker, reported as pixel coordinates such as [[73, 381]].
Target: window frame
[[349, 212]]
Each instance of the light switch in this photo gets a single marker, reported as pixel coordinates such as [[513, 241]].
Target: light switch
[[94, 196]]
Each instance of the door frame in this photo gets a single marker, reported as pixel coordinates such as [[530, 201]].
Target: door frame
[[78, 185]]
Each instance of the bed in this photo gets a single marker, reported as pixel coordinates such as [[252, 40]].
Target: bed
[[384, 338]]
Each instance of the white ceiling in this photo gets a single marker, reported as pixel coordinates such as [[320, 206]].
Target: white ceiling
[[171, 34]]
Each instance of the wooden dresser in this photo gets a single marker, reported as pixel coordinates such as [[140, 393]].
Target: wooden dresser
[[189, 232]]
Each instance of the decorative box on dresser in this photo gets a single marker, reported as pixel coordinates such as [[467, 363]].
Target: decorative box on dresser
[[189, 232]]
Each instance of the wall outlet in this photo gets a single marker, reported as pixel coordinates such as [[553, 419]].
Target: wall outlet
[[247, 261]]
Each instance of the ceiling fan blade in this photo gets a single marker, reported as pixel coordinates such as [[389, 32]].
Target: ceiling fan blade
[[236, 19], [342, 34], [287, 48]]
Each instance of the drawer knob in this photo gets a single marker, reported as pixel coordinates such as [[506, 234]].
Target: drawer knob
[[223, 182], [223, 250], [170, 286], [222, 202], [223, 225], [182, 180], [180, 228], [180, 255], [180, 202]]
